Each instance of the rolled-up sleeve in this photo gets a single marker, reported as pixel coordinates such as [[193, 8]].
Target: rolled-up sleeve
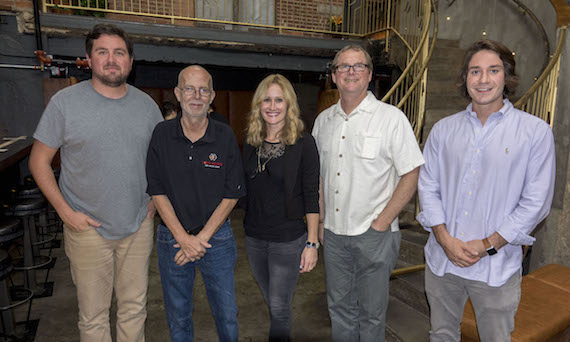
[[537, 193], [429, 185]]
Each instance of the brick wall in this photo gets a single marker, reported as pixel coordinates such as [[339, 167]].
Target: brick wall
[[313, 15], [16, 5]]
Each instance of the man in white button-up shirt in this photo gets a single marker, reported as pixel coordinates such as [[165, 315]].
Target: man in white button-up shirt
[[369, 167], [487, 182]]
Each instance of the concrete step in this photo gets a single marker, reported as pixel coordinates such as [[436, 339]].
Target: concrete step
[[446, 43], [447, 55], [408, 214], [446, 101], [411, 246], [404, 324], [410, 289], [438, 86]]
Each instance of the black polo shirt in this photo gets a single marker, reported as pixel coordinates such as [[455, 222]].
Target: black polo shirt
[[194, 176]]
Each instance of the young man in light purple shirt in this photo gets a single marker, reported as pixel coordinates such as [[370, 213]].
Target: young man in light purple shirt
[[487, 183]]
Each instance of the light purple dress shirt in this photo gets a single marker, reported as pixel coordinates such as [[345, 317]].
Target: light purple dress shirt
[[484, 179]]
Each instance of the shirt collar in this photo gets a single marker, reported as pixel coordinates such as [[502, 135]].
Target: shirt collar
[[208, 137], [366, 106], [505, 110]]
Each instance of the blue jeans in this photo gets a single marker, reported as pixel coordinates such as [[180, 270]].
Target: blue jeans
[[275, 266], [217, 268]]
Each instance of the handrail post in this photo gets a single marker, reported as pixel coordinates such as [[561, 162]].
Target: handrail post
[[388, 25]]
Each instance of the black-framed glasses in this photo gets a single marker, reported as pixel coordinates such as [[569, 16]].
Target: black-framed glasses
[[358, 67], [191, 91]]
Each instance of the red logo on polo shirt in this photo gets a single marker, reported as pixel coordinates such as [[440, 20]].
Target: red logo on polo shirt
[[212, 163]]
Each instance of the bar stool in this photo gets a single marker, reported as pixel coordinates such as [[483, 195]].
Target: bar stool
[[49, 223], [26, 210], [10, 229], [47, 227]]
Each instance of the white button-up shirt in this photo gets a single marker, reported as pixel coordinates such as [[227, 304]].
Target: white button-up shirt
[[363, 155], [484, 179]]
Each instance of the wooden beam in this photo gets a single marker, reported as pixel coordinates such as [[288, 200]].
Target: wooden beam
[[562, 12]]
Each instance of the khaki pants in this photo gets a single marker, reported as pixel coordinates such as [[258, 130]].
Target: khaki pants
[[98, 266]]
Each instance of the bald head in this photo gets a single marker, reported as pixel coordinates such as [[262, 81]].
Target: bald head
[[194, 91], [194, 70]]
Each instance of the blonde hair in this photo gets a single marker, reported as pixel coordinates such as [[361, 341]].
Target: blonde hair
[[256, 130]]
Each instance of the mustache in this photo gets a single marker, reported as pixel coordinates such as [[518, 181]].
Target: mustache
[[108, 65]]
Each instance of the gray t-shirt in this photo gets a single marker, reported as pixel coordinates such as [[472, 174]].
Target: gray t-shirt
[[103, 145]]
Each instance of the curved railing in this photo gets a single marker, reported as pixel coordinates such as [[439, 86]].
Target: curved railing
[[409, 92], [540, 99]]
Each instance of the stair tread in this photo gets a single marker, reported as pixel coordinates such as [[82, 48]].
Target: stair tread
[[407, 324], [417, 237], [415, 279]]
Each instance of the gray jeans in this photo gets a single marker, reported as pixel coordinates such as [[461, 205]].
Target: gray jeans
[[275, 266], [358, 271], [495, 307]]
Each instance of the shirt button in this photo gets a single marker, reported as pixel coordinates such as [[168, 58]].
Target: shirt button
[[190, 158], [474, 171], [343, 137], [191, 146], [338, 173], [466, 213], [470, 193], [340, 155], [478, 150], [346, 119], [336, 209]]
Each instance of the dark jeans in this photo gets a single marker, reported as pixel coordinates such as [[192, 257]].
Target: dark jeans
[[275, 266], [217, 268]]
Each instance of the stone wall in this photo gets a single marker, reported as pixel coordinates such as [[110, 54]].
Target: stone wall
[[553, 237], [502, 20]]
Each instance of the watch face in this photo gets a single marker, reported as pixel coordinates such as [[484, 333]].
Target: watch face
[[492, 251]]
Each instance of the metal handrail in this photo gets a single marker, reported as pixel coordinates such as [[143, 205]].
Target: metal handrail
[[186, 10], [545, 105], [418, 73], [541, 29]]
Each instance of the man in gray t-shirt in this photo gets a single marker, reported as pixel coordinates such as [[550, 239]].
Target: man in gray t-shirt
[[102, 128]]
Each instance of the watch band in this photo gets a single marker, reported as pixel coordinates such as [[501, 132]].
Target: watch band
[[314, 245], [488, 247]]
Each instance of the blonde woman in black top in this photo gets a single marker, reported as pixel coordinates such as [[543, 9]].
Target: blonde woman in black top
[[281, 163]]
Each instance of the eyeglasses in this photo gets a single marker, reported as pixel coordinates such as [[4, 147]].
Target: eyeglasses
[[358, 67], [191, 91]]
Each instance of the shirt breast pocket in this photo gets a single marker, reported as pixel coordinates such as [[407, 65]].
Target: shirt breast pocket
[[367, 147]]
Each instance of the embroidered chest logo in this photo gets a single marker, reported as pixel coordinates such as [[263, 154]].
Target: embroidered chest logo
[[211, 163]]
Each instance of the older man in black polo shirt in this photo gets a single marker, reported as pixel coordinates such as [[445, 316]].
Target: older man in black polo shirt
[[195, 178]]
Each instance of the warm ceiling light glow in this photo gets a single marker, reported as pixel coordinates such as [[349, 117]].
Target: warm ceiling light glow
[[513, 53], [484, 33], [448, 18]]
